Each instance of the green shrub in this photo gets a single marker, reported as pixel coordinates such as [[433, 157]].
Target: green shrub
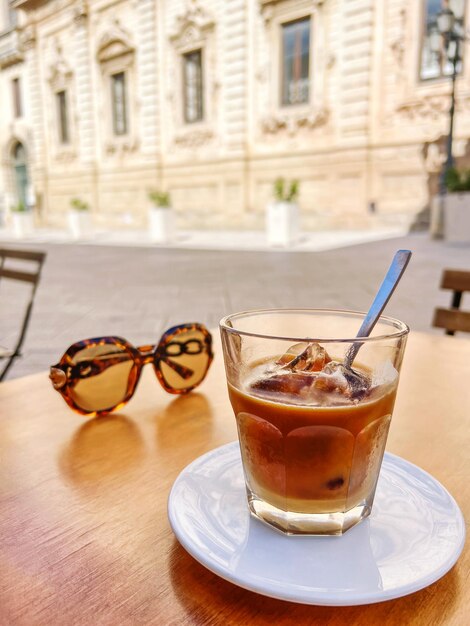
[[456, 180], [79, 205], [160, 198], [20, 207], [285, 192]]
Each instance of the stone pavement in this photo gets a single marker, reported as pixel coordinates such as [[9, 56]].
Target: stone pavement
[[137, 292], [208, 240]]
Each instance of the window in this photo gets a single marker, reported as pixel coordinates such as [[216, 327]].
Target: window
[[16, 89], [119, 104], [295, 88], [433, 64], [21, 173], [62, 116], [192, 86]]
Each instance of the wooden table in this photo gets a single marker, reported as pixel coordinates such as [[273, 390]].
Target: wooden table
[[84, 535]]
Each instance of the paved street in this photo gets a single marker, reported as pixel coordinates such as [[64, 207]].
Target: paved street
[[137, 292]]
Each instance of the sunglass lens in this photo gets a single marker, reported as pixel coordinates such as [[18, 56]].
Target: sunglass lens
[[102, 376], [184, 359]]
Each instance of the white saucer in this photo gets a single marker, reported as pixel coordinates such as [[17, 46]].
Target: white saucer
[[414, 536]]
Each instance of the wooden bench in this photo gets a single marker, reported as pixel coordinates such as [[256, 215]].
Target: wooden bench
[[454, 319]]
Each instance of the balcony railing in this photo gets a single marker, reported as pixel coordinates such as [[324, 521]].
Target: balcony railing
[[10, 48]]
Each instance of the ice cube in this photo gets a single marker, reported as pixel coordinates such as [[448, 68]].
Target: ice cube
[[336, 377], [384, 374], [287, 383], [304, 357]]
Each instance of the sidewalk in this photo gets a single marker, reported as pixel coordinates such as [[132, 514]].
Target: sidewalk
[[137, 292], [209, 240]]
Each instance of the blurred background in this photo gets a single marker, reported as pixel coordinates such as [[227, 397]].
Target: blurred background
[[212, 101], [277, 127]]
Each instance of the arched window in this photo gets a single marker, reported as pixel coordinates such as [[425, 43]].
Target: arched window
[[19, 154], [20, 172]]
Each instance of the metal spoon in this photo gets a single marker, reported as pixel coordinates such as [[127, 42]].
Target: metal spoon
[[391, 280]]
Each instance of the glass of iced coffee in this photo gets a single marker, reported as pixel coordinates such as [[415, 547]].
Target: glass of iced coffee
[[312, 427]]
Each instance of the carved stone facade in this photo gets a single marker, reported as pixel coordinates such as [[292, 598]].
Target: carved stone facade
[[368, 135]]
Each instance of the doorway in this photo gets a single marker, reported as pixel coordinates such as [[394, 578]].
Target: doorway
[[20, 167]]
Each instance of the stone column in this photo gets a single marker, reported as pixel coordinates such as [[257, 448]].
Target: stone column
[[356, 66], [36, 148], [83, 86], [83, 107], [147, 64], [234, 42]]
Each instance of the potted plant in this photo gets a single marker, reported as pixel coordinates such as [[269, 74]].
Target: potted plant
[[79, 218], [457, 206], [282, 216], [22, 219], [161, 218]]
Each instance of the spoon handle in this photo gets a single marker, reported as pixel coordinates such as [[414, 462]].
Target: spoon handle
[[391, 280]]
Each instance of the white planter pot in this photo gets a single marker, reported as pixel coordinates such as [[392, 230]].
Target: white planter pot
[[23, 223], [79, 223], [282, 223], [161, 224], [457, 217]]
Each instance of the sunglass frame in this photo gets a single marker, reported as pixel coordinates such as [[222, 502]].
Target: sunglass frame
[[62, 380]]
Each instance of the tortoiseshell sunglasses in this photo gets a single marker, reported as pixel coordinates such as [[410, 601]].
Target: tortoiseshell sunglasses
[[97, 376]]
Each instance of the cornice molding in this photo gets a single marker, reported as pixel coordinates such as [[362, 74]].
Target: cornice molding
[[115, 42], [268, 7], [26, 4], [192, 25]]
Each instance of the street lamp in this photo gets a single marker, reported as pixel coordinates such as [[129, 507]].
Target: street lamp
[[448, 38]]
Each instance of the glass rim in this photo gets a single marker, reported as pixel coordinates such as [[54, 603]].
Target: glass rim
[[402, 328]]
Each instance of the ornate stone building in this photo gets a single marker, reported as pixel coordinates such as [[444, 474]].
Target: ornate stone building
[[214, 99]]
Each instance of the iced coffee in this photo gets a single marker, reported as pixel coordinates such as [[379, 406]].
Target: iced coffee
[[312, 431]]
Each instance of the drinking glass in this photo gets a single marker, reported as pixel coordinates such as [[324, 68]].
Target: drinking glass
[[312, 434]]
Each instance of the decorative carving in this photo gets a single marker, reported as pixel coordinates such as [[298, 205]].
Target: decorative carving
[[433, 158], [425, 108], [192, 25], [80, 12], [194, 138], [60, 72], [27, 37], [267, 7], [120, 147], [267, 12], [292, 123], [398, 45], [435, 152], [115, 42]]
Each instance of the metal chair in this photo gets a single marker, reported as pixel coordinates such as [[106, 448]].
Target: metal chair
[[454, 319], [31, 277]]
